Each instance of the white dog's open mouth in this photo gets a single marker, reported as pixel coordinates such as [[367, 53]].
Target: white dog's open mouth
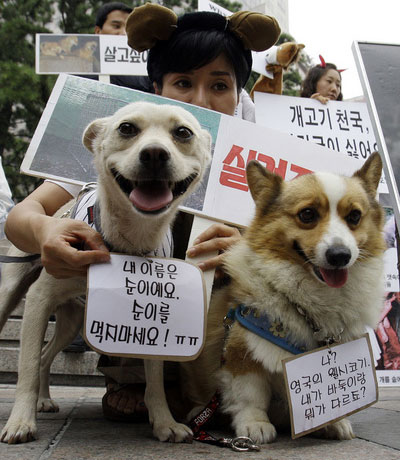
[[152, 196], [333, 277]]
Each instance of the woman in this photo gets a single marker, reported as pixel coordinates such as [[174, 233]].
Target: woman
[[200, 58], [323, 82]]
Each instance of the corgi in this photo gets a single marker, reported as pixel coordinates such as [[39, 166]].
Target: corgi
[[311, 261]]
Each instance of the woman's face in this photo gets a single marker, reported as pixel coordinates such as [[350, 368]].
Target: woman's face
[[329, 85], [213, 86]]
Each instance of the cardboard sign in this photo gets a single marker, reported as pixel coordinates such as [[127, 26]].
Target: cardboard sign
[[146, 307], [56, 150], [341, 126], [327, 384], [88, 54]]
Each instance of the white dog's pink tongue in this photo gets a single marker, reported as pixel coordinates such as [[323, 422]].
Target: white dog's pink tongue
[[152, 196], [334, 278]]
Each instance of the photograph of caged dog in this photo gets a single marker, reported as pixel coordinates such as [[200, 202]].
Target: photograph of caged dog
[[149, 158], [311, 263]]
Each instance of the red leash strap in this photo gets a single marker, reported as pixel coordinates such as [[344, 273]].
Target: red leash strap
[[239, 444]]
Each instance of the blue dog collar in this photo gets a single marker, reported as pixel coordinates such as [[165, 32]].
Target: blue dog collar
[[274, 332]]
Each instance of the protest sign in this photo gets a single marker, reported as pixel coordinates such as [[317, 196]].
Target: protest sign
[[88, 54], [327, 384], [56, 150], [341, 126], [146, 307], [379, 72]]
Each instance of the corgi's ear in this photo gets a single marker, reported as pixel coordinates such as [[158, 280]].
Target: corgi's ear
[[92, 132], [371, 173], [264, 185]]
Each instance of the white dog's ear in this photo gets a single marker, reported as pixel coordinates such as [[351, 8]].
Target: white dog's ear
[[207, 143], [371, 173], [264, 185], [92, 132]]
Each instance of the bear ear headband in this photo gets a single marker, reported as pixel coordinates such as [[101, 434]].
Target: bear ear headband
[[150, 23], [323, 64]]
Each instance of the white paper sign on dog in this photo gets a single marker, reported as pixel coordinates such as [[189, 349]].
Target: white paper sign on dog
[[146, 307], [326, 384]]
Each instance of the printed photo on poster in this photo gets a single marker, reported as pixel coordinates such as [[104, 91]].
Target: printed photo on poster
[[69, 53]]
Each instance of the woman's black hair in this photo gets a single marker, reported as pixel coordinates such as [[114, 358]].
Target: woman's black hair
[[107, 8], [199, 39], [309, 86]]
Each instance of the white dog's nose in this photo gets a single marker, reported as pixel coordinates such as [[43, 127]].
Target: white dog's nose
[[154, 156]]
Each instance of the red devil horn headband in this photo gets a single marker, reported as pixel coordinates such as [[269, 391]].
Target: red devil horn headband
[[323, 64]]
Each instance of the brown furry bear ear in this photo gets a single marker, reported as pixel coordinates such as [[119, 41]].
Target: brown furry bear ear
[[257, 31], [149, 23], [264, 185], [371, 173]]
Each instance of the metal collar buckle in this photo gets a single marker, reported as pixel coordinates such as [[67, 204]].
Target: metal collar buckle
[[240, 444]]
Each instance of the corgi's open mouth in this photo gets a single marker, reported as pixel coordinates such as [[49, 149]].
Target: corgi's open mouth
[[336, 277], [152, 196]]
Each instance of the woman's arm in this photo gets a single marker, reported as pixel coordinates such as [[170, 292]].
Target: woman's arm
[[31, 227]]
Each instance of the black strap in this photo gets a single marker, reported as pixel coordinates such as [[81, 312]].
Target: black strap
[[18, 259]]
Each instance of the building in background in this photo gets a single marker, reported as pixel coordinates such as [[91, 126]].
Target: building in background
[[279, 9]]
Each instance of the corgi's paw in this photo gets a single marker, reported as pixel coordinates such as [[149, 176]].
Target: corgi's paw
[[172, 432], [338, 430], [18, 430], [261, 432], [47, 405]]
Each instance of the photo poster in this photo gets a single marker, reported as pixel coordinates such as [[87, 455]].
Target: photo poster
[[388, 331], [88, 54], [56, 150], [379, 72], [341, 126]]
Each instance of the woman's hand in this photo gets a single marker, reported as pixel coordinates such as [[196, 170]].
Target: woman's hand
[[320, 98], [218, 237], [69, 246]]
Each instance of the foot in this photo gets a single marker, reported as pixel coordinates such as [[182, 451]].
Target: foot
[[260, 432], [125, 402], [47, 405]]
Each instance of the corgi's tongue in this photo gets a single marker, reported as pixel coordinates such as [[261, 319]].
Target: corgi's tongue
[[151, 196], [334, 278]]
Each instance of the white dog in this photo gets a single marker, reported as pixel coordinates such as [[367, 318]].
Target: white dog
[[149, 158]]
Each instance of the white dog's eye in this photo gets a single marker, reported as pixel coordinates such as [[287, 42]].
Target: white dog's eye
[[183, 133], [128, 129]]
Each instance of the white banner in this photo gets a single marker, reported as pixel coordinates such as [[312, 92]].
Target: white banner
[[341, 126]]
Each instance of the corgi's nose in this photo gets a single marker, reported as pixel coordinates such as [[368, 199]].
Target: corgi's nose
[[154, 156], [338, 256]]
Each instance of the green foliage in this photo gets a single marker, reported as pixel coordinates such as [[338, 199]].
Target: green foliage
[[23, 93]]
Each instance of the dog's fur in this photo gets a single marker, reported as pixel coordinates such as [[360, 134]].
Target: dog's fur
[[304, 239], [151, 149]]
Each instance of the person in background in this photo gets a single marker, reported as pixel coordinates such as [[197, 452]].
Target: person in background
[[200, 58], [111, 20], [323, 82]]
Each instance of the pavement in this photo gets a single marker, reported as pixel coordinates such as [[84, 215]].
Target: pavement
[[79, 431]]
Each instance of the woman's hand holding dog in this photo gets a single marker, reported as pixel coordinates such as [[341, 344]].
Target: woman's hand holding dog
[[218, 237], [60, 248]]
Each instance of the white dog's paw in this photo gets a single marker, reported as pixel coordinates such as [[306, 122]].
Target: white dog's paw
[[47, 405], [19, 431], [338, 430], [260, 432], [172, 432]]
